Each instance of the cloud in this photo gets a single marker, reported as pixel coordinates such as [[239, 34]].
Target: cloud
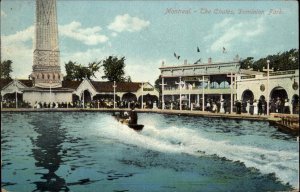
[[88, 36], [127, 23], [114, 34], [147, 72], [3, 14], [229, 32], [18, 48], [20, 36]]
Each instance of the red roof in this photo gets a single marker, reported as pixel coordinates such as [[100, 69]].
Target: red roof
[[71, 84], [100, 86], [121, 86], [27, 83], [4, 82]]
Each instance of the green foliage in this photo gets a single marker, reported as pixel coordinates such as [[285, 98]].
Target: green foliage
[[287, 60], [157, 84], [6, 69], [128, 79], [247, 63], [114, 69], [78, 72]]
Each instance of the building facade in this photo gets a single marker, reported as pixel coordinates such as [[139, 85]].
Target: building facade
[[191, 86], [282, 86], [194, 85], [16, 93]]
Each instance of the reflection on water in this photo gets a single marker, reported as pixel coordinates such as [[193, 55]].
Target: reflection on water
[[47, 150], [92, 152]]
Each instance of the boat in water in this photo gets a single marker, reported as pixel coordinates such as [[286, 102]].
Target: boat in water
[[125, 121]]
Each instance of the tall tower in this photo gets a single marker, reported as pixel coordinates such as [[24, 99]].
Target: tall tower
[[46, 70]]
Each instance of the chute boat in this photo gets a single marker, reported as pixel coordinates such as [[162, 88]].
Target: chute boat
[[125, 120]]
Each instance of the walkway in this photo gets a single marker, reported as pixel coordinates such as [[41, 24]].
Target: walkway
[[274, 119]]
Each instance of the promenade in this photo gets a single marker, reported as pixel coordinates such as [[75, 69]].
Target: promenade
[[172, 112], [285, 122]]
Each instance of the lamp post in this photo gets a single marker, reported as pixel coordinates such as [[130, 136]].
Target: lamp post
[[83, 99], [142, 100], [15, 83], [203, 100], [50, 95], [231, 90], [114, 94], [268, 95], [179, 93], [162, 93]]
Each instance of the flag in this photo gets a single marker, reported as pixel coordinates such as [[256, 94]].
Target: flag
[[224, 50], [198, 61], [177, 56], [198, 50]]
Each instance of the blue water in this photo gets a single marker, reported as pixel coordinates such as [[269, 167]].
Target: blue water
[[59, 151]]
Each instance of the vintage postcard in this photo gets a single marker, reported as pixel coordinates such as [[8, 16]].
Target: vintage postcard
[[157, 96]]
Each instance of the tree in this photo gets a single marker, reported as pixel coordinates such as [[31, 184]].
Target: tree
[[114, 69], [157, 84], [287, 60], [128, 79], [247, 63], [70, 70], [78, 72], [6, 69]]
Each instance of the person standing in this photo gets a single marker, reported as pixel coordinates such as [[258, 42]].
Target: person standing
[[133, 118], [248, 106], [222, 106], [255, 108], [238, 107], [286, 107], [259, 105]]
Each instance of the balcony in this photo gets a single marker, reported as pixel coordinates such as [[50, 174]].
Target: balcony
[[196, 90]]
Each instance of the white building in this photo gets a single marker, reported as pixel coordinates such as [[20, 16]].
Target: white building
[[284, 85]]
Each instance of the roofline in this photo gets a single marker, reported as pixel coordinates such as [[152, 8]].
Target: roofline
[[199, 65]]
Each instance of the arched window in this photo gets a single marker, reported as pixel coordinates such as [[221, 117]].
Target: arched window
[[214, 85], [224, 84]]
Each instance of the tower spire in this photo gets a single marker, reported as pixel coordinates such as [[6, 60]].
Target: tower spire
[[46, 70]]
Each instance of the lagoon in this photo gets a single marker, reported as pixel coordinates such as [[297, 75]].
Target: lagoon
[[91, 151]]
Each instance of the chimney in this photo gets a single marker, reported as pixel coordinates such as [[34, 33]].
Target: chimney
[[162, 63], [185, 62], [209, 60]]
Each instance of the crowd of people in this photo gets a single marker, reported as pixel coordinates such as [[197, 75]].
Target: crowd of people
[[253, 107], [101, 103], [12, 104]]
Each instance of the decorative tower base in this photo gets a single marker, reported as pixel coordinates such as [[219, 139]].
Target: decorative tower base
[[46, 56]]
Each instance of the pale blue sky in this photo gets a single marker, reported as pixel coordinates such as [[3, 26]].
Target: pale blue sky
[[147, 33]]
